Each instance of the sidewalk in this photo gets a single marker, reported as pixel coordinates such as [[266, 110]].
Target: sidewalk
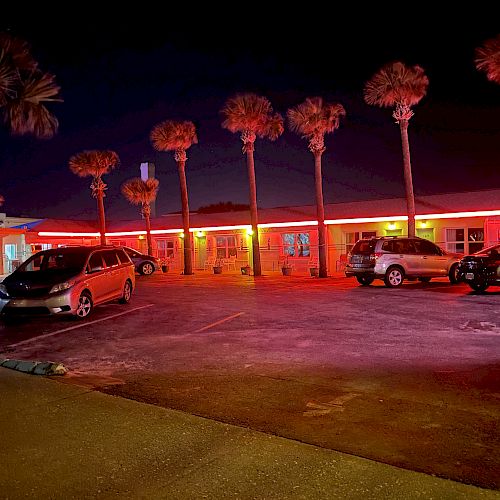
[[64, 441]]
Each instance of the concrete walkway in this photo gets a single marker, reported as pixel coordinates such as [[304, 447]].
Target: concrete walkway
[[64, 441]]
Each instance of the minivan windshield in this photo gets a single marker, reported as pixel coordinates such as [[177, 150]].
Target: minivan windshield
[[60, 260]]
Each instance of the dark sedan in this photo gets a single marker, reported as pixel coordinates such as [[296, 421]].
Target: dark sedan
[[481, 269], [144, 264]]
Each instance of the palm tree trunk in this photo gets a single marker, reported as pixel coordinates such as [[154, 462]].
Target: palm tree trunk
[[102, 218], [148, 230], [410, 199], [257, 269], [188, 258], [320, 214]]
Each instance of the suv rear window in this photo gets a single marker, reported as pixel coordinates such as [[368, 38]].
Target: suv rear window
[[365, 247]]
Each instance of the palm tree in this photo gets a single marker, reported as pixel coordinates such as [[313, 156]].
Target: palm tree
[[399, 86], [313, 119], [488, 58], [178, 136], [95, 164], [24, 90], [142, 193], [253, 117]]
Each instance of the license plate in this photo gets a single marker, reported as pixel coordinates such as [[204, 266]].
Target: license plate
[[469, 276]]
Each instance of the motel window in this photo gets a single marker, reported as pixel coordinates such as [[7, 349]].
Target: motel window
[[165, 249], [120, 243], [455, 239], [226, 246], [475, 237], [350, 240], [296, 244], [369, 234]]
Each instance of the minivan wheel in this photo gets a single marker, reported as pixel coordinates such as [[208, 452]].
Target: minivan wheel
[[478, 286], [394, 277], [85, 306], [146, 268], [453, 274], [364, 280], [127, 293]]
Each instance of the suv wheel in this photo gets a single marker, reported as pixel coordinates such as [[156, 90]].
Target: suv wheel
[[85, 306], [146, 268], [478, 286], [364, 280], [453, 274], [394, 277]]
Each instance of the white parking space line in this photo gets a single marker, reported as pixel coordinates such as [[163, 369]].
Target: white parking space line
[[82, 325], [219, 322]]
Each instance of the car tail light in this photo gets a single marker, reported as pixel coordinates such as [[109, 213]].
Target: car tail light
[[375, 256]]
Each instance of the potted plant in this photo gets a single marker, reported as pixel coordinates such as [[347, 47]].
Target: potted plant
[[218, 266], [314, 269], [286, 267], [164, 265], [246, 270]]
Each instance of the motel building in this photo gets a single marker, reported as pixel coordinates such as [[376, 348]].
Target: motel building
[[458, 222]]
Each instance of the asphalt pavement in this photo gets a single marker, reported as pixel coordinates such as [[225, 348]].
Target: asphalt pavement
[[68, 441]]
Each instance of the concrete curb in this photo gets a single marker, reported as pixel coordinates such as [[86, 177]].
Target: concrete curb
[[34, 367]]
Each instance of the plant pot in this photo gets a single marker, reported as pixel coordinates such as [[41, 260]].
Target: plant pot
[[246, 270], [164, 268], [217, 269], [287, 271], [314, 271]]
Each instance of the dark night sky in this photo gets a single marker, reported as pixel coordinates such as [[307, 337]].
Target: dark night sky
[[119, 78]]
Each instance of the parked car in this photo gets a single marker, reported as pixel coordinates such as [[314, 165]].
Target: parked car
[[69, 280], [481, 269], [144, 264], [395, 258]]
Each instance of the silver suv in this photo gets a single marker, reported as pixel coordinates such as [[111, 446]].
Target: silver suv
[[70, 280], [396, 258]]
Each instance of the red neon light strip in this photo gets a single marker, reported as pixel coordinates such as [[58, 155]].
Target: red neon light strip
[[356, 220]]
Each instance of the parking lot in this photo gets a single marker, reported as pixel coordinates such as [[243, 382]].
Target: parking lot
[[406, 376]]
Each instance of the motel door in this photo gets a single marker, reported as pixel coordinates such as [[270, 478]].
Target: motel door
[[201, 252]]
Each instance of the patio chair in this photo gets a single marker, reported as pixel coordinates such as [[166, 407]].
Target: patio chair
[[231, 263], [209, 263]]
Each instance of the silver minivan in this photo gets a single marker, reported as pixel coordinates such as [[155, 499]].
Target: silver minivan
[[68, 280]]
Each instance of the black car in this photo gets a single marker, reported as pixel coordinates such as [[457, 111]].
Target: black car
[[481, 269], [144, 264]]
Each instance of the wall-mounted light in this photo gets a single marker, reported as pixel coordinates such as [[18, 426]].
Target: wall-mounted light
[[141, 236], [423, 223], [392, 226], [181, 235], [249, 232], [200, 234]]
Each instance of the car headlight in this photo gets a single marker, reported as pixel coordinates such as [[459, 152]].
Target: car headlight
[[61, 286], [3, 290]]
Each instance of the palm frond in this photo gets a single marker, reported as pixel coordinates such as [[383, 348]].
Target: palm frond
[[138, 191], [25, 111], [315, 117], [251, 113], [93, 163], [2, 200], [173, 135], [9, 77], [488, 59], [396, 84], [18, 52], [25, 117]]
